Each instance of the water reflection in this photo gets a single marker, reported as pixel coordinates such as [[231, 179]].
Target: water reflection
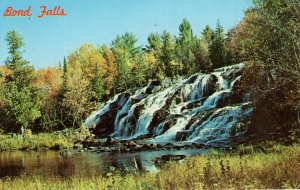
[[48, 164]]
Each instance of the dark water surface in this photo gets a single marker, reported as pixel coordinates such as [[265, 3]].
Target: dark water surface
[[48, 164]]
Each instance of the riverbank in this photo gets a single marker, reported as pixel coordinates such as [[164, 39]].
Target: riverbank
[[264, 166], [55, 141]]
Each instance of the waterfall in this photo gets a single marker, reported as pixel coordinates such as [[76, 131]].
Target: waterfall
[[202, 108]]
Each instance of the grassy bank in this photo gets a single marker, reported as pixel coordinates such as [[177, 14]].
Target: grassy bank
[[274, 166], [57, 140]]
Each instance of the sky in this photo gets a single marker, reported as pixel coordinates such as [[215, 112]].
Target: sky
[[49, 39]]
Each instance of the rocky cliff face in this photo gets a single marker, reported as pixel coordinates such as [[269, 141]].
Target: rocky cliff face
[[204, 108]]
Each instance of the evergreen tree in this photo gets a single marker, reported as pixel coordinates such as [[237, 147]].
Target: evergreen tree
[[154, 42], [207, 35], [151, 57], [202, 62], [166, 57], [126, 53], [217, 50], [22, 98], [184, 48]]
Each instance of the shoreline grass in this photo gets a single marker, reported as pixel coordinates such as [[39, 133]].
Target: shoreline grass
[[277, 167], [56, 140]]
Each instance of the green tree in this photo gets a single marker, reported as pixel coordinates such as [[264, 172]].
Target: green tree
[[154, 42], [97, 86], [151, 58], [166, 56], [207, 35], [184, 48], [22, 98], [217, 50], [202, 61], [126, 53]]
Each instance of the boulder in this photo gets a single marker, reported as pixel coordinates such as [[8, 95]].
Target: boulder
[[130, 144], [169, 157], [182, 135], [145, 147], [65, 153], [92, 148], [78, 146], [110, 141]]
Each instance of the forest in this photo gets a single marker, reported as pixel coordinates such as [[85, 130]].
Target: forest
[[267, 39]]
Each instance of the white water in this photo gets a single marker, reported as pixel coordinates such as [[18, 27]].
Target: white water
[[174, 100]]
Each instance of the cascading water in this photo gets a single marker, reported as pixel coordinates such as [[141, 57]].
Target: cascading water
[[203, 108]]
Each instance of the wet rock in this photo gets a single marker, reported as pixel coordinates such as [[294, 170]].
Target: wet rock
[[182, 135], [152, 87], [160, 115], [65, 153], [78, 146], [211, 86], [224, 100], [105, 126], [168, 124], [130, 144], [193, 104], [231, 74], [191, 79], [145, 147], [110, 141], [92, 148], [154, 146], [145, 136], [89, 141], [198, 145], [137, 98], [169, 157]]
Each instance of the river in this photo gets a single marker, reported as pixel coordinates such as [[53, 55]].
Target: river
[[48, 164]]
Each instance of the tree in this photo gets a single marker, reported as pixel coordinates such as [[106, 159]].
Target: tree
[[151, 58], [154, 42], [184, 48], [111, 73], [126, 53], [76, 99], [166, 57], [22, 98], [207, 35], [97, 86], [202, 61], [269, 36], [217, 51], [50, 82]]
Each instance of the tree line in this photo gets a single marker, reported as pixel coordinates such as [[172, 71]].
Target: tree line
[[61, 97]]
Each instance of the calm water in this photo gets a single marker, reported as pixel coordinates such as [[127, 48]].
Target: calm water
[[48, 164]]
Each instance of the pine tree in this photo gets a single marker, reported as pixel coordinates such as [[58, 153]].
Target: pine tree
[[22, 98], [184, 48], [126, 53], [154, 42], [166, 57], [207, 35], [217, 50]]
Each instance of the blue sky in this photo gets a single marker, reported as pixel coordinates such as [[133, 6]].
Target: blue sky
[[48, 39]]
